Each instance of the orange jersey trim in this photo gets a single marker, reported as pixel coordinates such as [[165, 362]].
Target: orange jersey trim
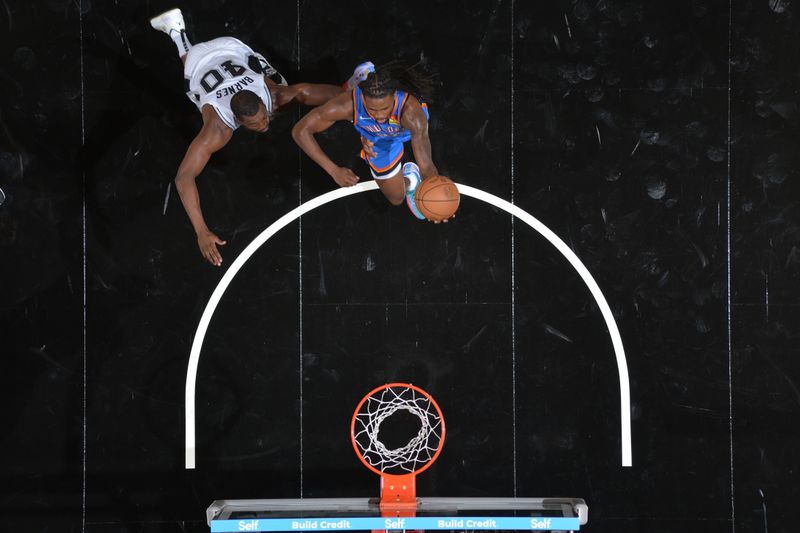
[[399, 109]]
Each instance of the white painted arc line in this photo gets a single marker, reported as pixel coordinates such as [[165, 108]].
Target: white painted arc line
[[205, 319]]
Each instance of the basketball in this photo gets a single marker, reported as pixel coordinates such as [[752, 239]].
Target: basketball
[[437, 198]]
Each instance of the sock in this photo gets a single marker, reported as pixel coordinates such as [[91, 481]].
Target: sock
[[181, 41]]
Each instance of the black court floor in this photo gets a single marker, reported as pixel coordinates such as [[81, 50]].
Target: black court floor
[[656, 140]]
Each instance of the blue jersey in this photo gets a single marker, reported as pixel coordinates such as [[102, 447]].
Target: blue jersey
[[388, 137], [377, 132]]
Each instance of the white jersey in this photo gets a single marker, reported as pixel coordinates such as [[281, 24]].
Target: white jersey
[[218, 69]]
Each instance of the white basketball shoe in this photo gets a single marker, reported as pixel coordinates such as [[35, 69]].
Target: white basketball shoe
[[411, 173], [169, 21], [359, 74]]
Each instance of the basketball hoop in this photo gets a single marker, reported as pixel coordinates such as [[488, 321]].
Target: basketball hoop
[[385, 437], [397, 466]]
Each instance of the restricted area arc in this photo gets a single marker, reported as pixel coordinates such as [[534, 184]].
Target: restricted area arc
[[465, 190]]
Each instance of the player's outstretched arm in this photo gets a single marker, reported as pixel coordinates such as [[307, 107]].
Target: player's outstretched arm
[[414, 120], [213, 136], [318, 120], [315, 94], [312, 94]]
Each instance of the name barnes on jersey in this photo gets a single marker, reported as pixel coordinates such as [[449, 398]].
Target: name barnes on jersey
[[233, 89]]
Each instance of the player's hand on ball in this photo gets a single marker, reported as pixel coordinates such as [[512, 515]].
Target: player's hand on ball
[[445, 221], [208, 242], [437, 198], [344, 177]]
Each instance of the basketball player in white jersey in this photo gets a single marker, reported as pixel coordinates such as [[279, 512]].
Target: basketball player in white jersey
[[232, 86]]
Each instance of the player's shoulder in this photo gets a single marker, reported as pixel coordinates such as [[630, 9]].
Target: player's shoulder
[[214, 129], [412, 110], [412, 103], [341, 104], [346, 95]]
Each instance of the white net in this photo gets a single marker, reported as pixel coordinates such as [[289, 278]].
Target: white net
[[420, 449]]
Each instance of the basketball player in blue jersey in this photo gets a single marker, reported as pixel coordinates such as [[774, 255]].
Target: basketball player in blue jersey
[[388, 109], [232, 86]]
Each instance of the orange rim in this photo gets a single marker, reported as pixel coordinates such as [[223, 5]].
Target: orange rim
[[389, 386]]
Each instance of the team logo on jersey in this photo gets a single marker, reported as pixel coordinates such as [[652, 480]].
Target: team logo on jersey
[[391, 130]]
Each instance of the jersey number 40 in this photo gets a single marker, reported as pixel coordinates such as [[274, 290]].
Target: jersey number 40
[[214, 77]]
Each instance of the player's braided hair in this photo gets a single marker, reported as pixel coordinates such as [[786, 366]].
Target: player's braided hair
[[399, 74]]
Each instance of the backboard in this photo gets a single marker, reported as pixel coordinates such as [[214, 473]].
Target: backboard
[[432, 514], [398, 508]]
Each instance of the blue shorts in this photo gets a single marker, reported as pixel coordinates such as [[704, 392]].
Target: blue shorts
[[388, 158]]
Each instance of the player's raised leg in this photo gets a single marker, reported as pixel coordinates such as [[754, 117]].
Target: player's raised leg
[[393, 188], [171, 22]]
